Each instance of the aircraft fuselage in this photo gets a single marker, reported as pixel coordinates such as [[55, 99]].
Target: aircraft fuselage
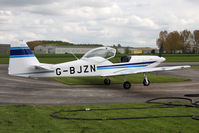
[[81, 67]]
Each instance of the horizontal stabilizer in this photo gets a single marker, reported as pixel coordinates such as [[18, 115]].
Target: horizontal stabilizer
[[145, 70], [44, 66]]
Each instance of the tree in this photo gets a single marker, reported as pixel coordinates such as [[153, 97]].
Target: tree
[[127, 50], [153, 51], [119, 46], [187, 39], [196, 38], [173, 42], [161, 41], [184, 41]]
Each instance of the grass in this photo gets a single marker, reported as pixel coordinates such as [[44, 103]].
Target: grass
[[195, 67], [181, 57], [4, 60], [25, 119], [135, 78]]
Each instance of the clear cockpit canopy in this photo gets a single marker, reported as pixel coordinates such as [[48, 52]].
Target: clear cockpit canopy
[[105, 52]]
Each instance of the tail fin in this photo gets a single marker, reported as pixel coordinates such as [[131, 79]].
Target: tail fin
[[21, 59]]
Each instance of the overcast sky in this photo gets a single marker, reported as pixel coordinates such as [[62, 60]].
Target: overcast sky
[[135, 23]]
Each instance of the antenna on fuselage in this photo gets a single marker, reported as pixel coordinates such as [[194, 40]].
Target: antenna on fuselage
[[74, 55]]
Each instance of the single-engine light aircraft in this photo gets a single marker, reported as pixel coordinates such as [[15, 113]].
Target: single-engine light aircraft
[[95, 62]]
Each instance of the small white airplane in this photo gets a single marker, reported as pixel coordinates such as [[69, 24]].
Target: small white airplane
[[96, 62]]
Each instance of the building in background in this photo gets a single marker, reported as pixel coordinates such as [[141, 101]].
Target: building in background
[[73, 49], [44, 49], [144, 50], [4, 48], [121, 50], [62, 49], [135, 51], [78, 49]]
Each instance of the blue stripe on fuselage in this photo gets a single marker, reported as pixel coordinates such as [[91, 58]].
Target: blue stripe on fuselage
[[42, 72], [129, 65], [121, 67]]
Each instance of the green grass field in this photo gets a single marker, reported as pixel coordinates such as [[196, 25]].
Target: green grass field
[[135, 78], [195, 67], [181, 57], [29, 119]]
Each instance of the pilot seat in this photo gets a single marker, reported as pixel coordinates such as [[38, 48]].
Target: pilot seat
[[125, 58]]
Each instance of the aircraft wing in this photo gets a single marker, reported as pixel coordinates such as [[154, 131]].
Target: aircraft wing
[[44, 66], [145, 70]]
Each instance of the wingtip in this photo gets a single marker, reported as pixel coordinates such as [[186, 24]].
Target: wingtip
[[187, 66]]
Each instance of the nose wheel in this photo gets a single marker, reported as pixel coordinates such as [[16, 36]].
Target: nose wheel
[[146, 82]]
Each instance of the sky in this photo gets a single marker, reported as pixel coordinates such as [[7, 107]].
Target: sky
[[134, 23]]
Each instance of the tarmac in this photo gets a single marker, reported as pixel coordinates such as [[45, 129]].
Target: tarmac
[[44, 91]]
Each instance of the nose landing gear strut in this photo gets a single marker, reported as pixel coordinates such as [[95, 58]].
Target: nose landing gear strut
[[146, 82]]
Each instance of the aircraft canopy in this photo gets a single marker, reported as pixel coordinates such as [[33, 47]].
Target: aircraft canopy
[[105, 52]]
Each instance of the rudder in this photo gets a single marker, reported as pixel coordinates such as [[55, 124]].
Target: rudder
[[21, 60]]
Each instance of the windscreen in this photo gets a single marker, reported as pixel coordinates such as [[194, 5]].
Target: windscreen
[[104, 52]]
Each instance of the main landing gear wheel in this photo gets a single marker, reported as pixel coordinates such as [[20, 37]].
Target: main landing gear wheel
[[127, 85], [107, 81]]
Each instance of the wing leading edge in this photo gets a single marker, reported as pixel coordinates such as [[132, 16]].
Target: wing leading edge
[[145, 70]]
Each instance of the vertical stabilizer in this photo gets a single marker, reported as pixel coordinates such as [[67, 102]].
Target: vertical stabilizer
[[22, 60]]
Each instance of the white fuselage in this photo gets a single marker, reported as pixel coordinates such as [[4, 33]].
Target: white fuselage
[[23, 63], [97, 66]]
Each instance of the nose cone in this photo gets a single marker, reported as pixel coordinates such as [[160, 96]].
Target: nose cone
[[162, 59]]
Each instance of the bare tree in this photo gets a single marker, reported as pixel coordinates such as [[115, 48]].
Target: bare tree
[[162, 38], [196, 38], [185, 36]]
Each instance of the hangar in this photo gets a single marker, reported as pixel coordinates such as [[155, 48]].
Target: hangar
[[77, 49]]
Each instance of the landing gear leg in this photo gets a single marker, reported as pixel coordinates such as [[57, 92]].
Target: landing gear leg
[[126, 84], [107, 81], [146, 82]]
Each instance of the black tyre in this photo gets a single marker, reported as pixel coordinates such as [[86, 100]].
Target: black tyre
[[127, 85], [107, 81], [146, 82]]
